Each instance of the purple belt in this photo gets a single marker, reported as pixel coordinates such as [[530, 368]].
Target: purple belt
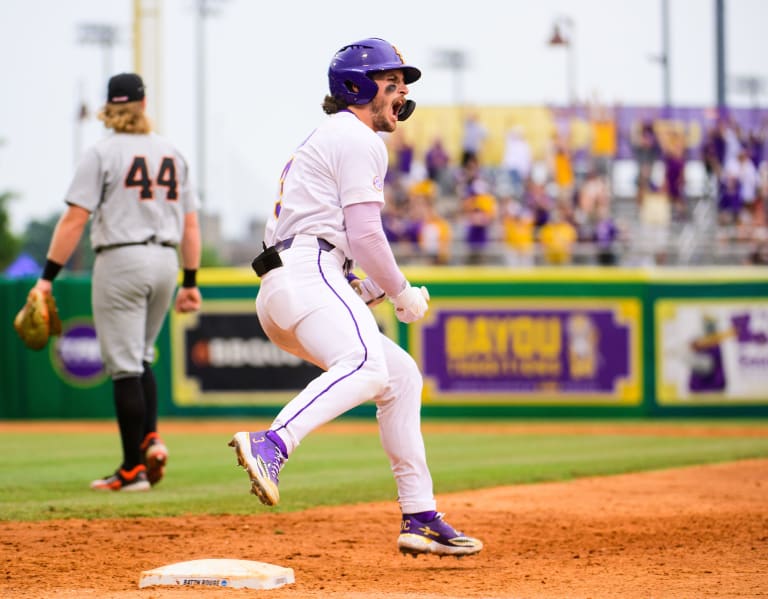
[[324, 245]]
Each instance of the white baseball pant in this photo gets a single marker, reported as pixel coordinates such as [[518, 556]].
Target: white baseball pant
[[308, 309]]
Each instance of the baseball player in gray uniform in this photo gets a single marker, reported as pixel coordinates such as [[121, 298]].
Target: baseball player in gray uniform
[[327, 214], [136, 186]]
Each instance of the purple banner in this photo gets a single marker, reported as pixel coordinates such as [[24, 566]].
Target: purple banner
[[530, 350]]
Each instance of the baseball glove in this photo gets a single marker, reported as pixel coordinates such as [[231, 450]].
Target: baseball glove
[[37, 320]]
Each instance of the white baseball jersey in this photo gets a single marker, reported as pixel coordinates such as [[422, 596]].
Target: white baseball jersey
[[342, 162], [136, 187]]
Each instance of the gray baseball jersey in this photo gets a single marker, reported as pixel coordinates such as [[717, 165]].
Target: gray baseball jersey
[[136, 186]]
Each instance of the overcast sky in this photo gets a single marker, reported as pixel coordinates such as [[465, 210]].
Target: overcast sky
[[265, 71]]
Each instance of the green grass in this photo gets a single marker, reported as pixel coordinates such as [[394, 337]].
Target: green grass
[[45, 476]]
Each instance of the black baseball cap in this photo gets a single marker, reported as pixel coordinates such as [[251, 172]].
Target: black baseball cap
[[125, 87]]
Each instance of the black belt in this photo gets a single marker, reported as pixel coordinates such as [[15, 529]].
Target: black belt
[[269, 259], [152, 240]]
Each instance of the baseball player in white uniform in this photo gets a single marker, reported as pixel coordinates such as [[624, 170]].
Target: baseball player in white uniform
[[328, 214], [136, 186]]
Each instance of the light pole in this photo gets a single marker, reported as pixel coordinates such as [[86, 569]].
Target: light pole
[[667, 86], [102, 35], [454, 60], [563, 36], [201, 97], [663, 60], [203, 9], [148, 54], [720, 58]]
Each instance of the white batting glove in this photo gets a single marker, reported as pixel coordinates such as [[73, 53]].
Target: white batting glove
[[411, 303]]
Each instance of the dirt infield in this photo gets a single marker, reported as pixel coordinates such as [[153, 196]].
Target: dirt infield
[[689, 532]]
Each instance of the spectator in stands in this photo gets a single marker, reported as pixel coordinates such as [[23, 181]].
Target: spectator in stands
[[516, 159], [606, 235], [729, 199], [539, 202], [471, 180], [755, 147], [655, 218], [745, 171], [674, 173], [593, 202], [480, 214], [603, 138], [402, 155], [477, 210], [713, 151], [434, 231], [517, 234], [731, 134], [594, 193], [718, 137], [561, 166], [762, 194], [645, 147], [473, 138], [437, 161], [399, 227], [557, 239]]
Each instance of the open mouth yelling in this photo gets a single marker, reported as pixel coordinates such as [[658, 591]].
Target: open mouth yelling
[[397, 105]]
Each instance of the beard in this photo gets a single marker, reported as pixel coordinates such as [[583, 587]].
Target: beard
[[381, 113]]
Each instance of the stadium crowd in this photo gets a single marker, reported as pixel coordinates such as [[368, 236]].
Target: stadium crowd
[[560, 207]]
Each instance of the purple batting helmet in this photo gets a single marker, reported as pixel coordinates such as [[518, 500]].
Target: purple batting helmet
[[352, 66]]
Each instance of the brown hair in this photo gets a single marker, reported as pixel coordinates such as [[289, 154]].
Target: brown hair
[[125, 118], [332, 105]]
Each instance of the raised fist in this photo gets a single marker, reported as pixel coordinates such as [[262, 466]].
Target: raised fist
[[411, 303]]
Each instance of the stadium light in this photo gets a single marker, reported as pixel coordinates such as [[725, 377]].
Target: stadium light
[[102, 35], [454, 60], [749, 85], [563, 36]]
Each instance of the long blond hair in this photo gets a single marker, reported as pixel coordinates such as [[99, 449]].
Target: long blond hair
[[125, 118]]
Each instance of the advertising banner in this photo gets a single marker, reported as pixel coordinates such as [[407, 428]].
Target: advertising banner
[[574, 352], [221, 356], [76, 356], [711, 352]]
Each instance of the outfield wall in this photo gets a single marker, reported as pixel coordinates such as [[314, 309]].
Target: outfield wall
[[496, 342]]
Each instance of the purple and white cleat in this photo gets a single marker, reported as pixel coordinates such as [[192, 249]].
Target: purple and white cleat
[[436, 537], [262, 459]]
